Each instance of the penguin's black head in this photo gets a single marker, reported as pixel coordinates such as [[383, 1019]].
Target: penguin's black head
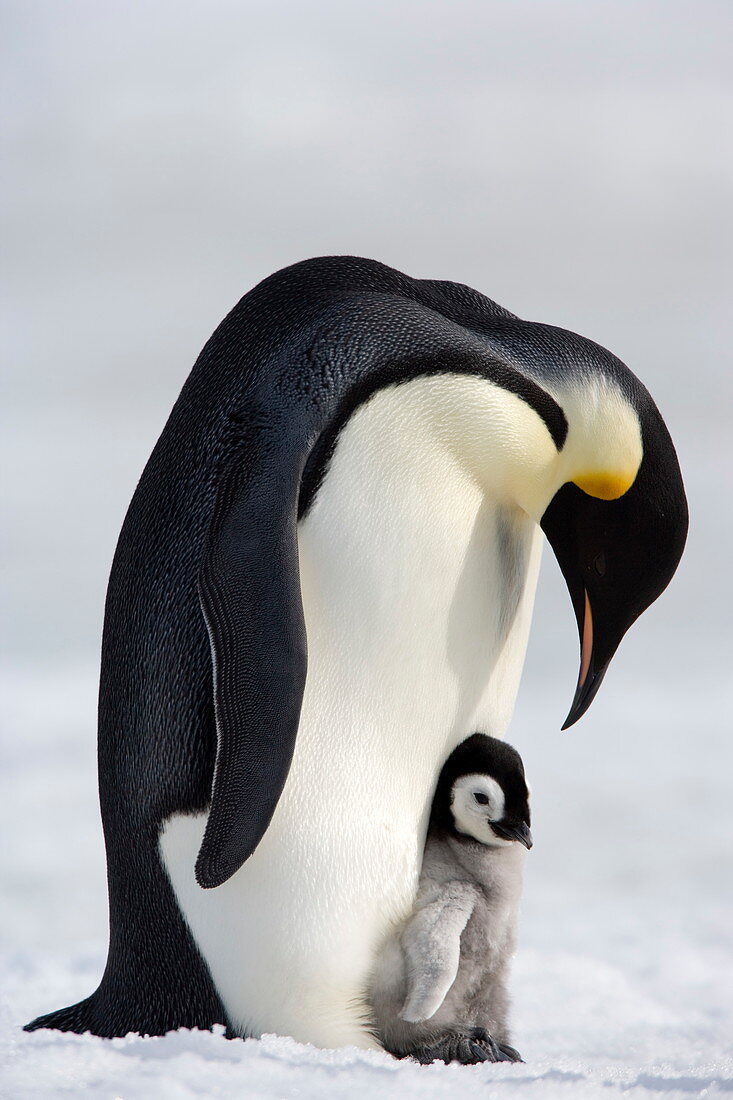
[[482, 794], [618, 555]]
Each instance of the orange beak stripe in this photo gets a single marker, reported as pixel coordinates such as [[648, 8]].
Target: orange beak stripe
[[586, 648]]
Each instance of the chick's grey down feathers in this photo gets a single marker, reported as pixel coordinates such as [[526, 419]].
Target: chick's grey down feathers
[[444, 971]]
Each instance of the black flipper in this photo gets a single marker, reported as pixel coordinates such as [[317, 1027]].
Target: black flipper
[[249, 588]]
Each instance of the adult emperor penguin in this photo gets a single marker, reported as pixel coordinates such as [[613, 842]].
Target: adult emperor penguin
[[358, 467]]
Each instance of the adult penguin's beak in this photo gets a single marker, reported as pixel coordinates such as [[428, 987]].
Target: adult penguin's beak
[[579, 536], [591, 675]]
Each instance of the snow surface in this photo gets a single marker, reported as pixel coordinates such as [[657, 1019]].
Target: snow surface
[[621, 983]]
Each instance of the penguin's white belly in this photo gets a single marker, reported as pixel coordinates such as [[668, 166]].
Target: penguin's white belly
[[417, 594]]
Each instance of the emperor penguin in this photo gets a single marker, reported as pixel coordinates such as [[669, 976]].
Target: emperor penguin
[[322, 586], [439, 990]]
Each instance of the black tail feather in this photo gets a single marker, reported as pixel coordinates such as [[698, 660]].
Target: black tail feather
[[77, 1018]]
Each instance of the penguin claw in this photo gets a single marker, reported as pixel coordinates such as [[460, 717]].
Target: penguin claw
[[477, 1052], [499, 1052], [509, 1054]]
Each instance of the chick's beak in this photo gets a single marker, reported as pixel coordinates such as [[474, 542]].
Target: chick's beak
[[513, 830]]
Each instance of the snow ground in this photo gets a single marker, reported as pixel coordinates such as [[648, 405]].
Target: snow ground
[[622, 981]]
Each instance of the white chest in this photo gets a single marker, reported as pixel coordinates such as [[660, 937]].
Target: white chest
[[417, 592]]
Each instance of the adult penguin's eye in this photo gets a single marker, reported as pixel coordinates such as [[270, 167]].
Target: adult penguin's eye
[[599, 564], [482, 798]]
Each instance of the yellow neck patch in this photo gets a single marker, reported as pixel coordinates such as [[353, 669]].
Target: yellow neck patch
[[605, 486]]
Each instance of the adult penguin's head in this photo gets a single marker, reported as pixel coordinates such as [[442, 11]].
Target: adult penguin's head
[[618, 540]]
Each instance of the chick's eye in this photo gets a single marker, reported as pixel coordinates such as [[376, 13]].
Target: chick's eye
[[482, 798], [599, 564]]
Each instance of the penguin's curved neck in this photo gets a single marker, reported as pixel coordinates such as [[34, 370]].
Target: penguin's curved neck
[[505, 446]]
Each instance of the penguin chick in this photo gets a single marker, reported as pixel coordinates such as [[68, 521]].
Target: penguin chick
[[439, 987]]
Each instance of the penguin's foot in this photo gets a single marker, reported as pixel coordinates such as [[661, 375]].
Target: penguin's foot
[[466, 1046], [498, 1052], [508, 1054]]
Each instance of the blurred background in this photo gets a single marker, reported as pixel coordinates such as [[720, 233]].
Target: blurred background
[[573, 161]]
